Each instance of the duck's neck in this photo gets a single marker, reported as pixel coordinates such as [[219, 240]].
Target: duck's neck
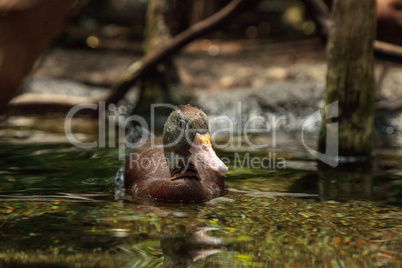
[[180, 166]]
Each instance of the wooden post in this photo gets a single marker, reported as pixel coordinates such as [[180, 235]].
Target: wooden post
[[350, 77]]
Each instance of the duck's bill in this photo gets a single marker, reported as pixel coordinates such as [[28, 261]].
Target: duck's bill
[[202, 151]]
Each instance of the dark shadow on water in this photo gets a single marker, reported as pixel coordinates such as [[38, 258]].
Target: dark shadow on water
[[358, 181]]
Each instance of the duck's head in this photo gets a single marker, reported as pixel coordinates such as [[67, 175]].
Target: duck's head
[[187, 143]]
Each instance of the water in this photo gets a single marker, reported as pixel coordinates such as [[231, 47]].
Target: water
[[58, 209]]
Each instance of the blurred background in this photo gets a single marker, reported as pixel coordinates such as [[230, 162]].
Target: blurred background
[[57, 205]]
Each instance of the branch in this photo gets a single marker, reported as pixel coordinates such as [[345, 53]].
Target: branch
[[148, 62], [321, 16], [388, 51]]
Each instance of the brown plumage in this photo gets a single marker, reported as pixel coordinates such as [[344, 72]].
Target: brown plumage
[[180, 168]]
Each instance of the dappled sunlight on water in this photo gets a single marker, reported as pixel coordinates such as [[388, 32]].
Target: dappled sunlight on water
[[57, 208]]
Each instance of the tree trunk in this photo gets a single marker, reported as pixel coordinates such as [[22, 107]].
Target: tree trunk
[[26, 29], [350, 79], [163, 84]]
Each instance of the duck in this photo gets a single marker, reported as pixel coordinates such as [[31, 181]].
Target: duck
[[180, 167]]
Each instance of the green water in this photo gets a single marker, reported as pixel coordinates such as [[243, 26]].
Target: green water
[[58, 210]]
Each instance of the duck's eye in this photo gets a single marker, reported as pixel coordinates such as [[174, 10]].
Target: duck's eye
[[182, 124]]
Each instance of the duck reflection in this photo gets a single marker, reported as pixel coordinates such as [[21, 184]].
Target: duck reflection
[[182, 251]]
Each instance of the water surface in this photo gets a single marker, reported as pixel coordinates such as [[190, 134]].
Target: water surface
[[58, 209]]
